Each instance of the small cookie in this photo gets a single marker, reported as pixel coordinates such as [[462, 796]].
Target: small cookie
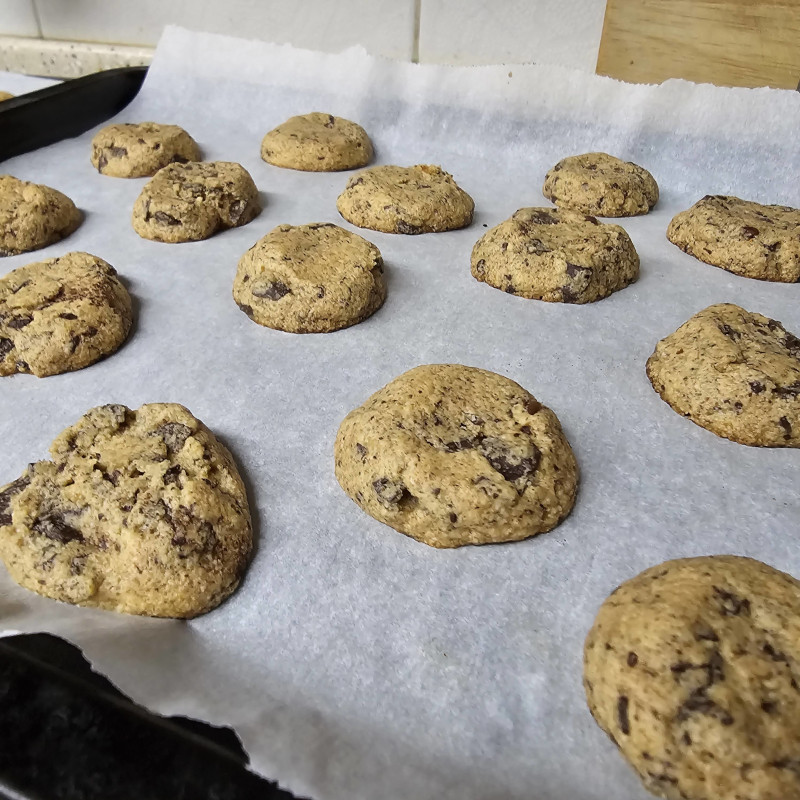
[[742, 237], [317, 143], [733, 372], [421, 199], [602, 185], [189, 202], [310, 279], [61, 315], [141, 512], [692, 669], [140, 150], [5, 96], [556, 255], [33, 216], [454, 455]]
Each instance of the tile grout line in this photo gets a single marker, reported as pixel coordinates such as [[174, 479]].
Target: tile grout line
[[417, 20]]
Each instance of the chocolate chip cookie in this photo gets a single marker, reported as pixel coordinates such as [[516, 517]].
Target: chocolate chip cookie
[[142, 512], [742, 237], [189, 202], [317, 143], [310, 279], [61, 315], [33, 216], [692, 668], [556, 255], [453, 455], [5, 96], [734, 373], [139, 150], [421, 199], [602, 185]]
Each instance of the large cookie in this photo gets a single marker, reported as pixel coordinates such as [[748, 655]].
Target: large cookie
[[602, 185], [61, 315], [733, 372], [692, 669], [33, 216], [317, 143], [556, 255], [141, 511], [189, 202], [138, 150], [310, 279], [741, 236], [420, 199], [454, 455]]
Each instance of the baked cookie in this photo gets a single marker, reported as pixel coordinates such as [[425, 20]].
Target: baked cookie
[[139, 150], [742, 237], [454, 455], [600, 184], [556, 255], [61, 315], [734, 373], [189, 202], [421, 199], [141, 511], [33, 216], [310, 279], [5, 96], [317, 143], [692, 669]]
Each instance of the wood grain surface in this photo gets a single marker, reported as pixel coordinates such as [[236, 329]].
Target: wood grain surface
[[726, 42]]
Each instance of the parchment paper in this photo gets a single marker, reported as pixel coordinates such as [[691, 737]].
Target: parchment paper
[[353, 661]]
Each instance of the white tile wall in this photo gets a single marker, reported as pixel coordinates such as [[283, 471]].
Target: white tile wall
[[384, 27], [18, 18], [563, 32]]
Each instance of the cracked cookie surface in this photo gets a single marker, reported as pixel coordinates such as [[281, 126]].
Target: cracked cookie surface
[[310, 279], [734, 373], [61, 315], [419, 199], [142, 512], [190, 202], [742, 237], [138, 150], [317, 142], [556, 255], [601, 185], [693, 669], [33, 216], [453, 455]]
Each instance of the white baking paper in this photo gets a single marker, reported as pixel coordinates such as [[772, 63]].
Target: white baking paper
[[353, 661]]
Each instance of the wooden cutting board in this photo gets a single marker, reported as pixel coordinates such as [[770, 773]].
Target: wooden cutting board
[[726, 42]]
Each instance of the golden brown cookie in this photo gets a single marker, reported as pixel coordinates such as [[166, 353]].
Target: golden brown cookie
[[5, 96], [693, 669], [317, 143], [601, 185], [61, 315], [453, 455], [139, 150], [33, 216], [734, 373], [190, 202], [421, 199], [556, 255], [141, 512], [310, 279], [742, 237]]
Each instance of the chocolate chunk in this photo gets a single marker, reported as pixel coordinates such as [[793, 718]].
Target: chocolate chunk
[[538, 247], [6, 346], [247, 309], [768, 706], [354, 182], [532, 406], [791, 343], [773, 247], [174, 435], [176, 159], [480, 267], [792, 390], [331, 121], [236, 211], [68, 316], [453, 517], [361, 450], [74, 342], [19, 322], [165, 219], [730, 332], [461, 444], [102, 162], [633, 659], [509, 464], [391, 494], [573, 270], [117, 152], [568, 295], [787, 427], [401, 226], [55, 527], [732, 605], [172, 475], [749, 232], [699, 703], [542, 218], [274, 290], [756, 387], [77, 564], [5, 498], [622, 715], [774, 654], [320, 292]]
